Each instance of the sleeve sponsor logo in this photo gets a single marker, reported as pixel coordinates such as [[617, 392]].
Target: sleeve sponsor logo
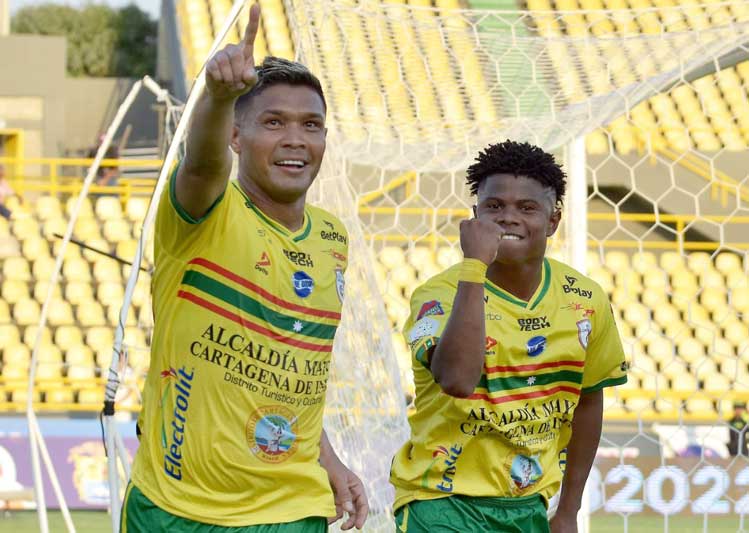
[[333, 236], [426, 327], [533, 324], [536, 345], [340, 284], [430, 308], [570, 287], [584, 328]]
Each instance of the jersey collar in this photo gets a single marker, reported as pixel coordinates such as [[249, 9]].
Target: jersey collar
[[533, 302], [296, 236]]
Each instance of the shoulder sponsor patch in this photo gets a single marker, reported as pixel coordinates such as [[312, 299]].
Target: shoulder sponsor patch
[[584, 328], [430, 308], [426, 327]]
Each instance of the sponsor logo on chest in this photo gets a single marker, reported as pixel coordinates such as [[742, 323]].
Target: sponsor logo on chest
[[533, 324]]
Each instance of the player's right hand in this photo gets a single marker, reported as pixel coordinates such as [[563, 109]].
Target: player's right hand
[[479, 239], [231, 71]]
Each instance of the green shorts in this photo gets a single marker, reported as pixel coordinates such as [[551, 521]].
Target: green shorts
[[465, 514], [140, 515]]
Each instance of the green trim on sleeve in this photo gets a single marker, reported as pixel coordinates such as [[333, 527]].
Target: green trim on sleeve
[[611, 382], [184, 215], [421, 354]]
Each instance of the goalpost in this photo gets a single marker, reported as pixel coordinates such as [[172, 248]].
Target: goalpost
[[414, 93]]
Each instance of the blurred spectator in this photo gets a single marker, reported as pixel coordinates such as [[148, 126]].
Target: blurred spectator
[[738, 431], [5, 192], [106, 176]]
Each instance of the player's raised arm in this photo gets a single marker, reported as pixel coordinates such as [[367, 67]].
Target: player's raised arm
[[458, 359], [230, 73]]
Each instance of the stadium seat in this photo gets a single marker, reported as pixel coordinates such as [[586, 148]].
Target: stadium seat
[[26, 312], [109, 293], [87, 229], [108, 208], [13, 291], [49, 353], [448, 256], [85, 209], [59, 313], [91, 396], [644, 262], [107, 270], [136, 208], [9, 335], [19, 395], [80, 372], [47, 207], [116, 230], [68, 336], [113, 315], [58, 396], [726, 262], [391, 257], [671, 261], [16, 268], [90, 313], [72, 251], [5, 316], [30, 333], [48, 371], [13, 372], [100, 338], [76, 270], [78, 292], [24, 228], [98, 244], [16, 354], [41, 291], [43, 268], [34, 248]]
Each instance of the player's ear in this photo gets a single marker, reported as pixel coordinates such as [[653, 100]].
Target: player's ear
[[234, 143], [554, 219]]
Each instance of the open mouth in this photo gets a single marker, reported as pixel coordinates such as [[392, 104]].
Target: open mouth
[[291, 164], [511, 237]]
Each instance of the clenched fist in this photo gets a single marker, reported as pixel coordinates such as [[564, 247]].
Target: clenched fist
[[231, 71], [479, 239]]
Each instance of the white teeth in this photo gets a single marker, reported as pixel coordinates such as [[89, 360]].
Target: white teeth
[[294, 162], [510, 237]]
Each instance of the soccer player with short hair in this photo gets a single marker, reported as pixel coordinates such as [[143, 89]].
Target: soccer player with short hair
[[247, 296], [511, 351]]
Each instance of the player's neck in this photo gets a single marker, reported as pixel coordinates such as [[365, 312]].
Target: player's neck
[[289, 215], [520, 280]]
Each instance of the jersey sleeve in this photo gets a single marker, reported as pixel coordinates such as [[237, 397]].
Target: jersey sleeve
[[605, 365], [431, 305], [176, 231]]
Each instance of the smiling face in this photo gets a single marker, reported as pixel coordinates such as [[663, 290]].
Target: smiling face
[[525, 210], [280, 140]]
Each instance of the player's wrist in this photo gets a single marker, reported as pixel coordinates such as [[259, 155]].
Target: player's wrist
[[473, 270]]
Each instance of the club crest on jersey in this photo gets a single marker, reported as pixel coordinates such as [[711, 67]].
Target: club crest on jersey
[[426, 327], [430, 308], [340, 283], [525, 471], [270, 433], [584, 327], [536, 345], [303, 284]]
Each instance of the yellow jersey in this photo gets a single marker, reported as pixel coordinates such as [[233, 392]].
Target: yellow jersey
[[245, 314], [506, 439]]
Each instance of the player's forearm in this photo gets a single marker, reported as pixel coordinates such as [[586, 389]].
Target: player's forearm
[[581, 450], [207, 150], [458, 359], [327, 453]]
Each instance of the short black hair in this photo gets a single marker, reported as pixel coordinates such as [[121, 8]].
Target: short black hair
[[277, 71], [517, 159]]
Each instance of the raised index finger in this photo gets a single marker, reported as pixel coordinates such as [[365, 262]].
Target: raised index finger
[[251, 31]]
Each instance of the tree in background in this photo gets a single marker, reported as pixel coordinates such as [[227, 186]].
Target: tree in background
[[101, 41]]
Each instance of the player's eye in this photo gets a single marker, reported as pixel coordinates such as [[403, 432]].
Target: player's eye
[[273, 122], [313, 125]]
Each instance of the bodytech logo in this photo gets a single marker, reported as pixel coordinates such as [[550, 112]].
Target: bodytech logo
[[571, 288], [299, 258], [533, 324]]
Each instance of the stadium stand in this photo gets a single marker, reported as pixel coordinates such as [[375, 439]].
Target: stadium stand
[[677, 315]]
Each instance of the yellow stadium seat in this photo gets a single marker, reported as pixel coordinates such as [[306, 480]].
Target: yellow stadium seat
[[16, 268], [91, 396], [85, 210], [100, 338], [87, 229], [58, 395], [78, 292], [136, 208], [43, 268], [703, 368], [145, 317], [81, 372], [41, 291], [713, 298], [35, 247], [76, 270], [392, 256], [126, 249], [690, 349], [666, 314], [49, 353], [134, 337], [59, 313], [726, 262], [17, 354], [671, 261], [98, 244], [661, 349], [711, 278], [616, 261], [643, 262], [25, 227], [699, 261], [701, 407], [48, 371], [79, 355], [420, 256], [30, 333], [13, 291], [72, 251], [113, 315], [4, 312], [403, 276], [103, 358], [736, 332], [116, 230], [592, 259], [91, 314], [448, 256], [142, 290], [14, 372], [47, 207], [740, 299], [108, 208], [26, 312], [110, 293], [20, 395], [67, 337], [717, 382], [106, 269], [9, 335]]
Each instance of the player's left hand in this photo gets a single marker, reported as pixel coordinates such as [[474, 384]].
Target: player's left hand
[[564, 523], [349, 495]]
